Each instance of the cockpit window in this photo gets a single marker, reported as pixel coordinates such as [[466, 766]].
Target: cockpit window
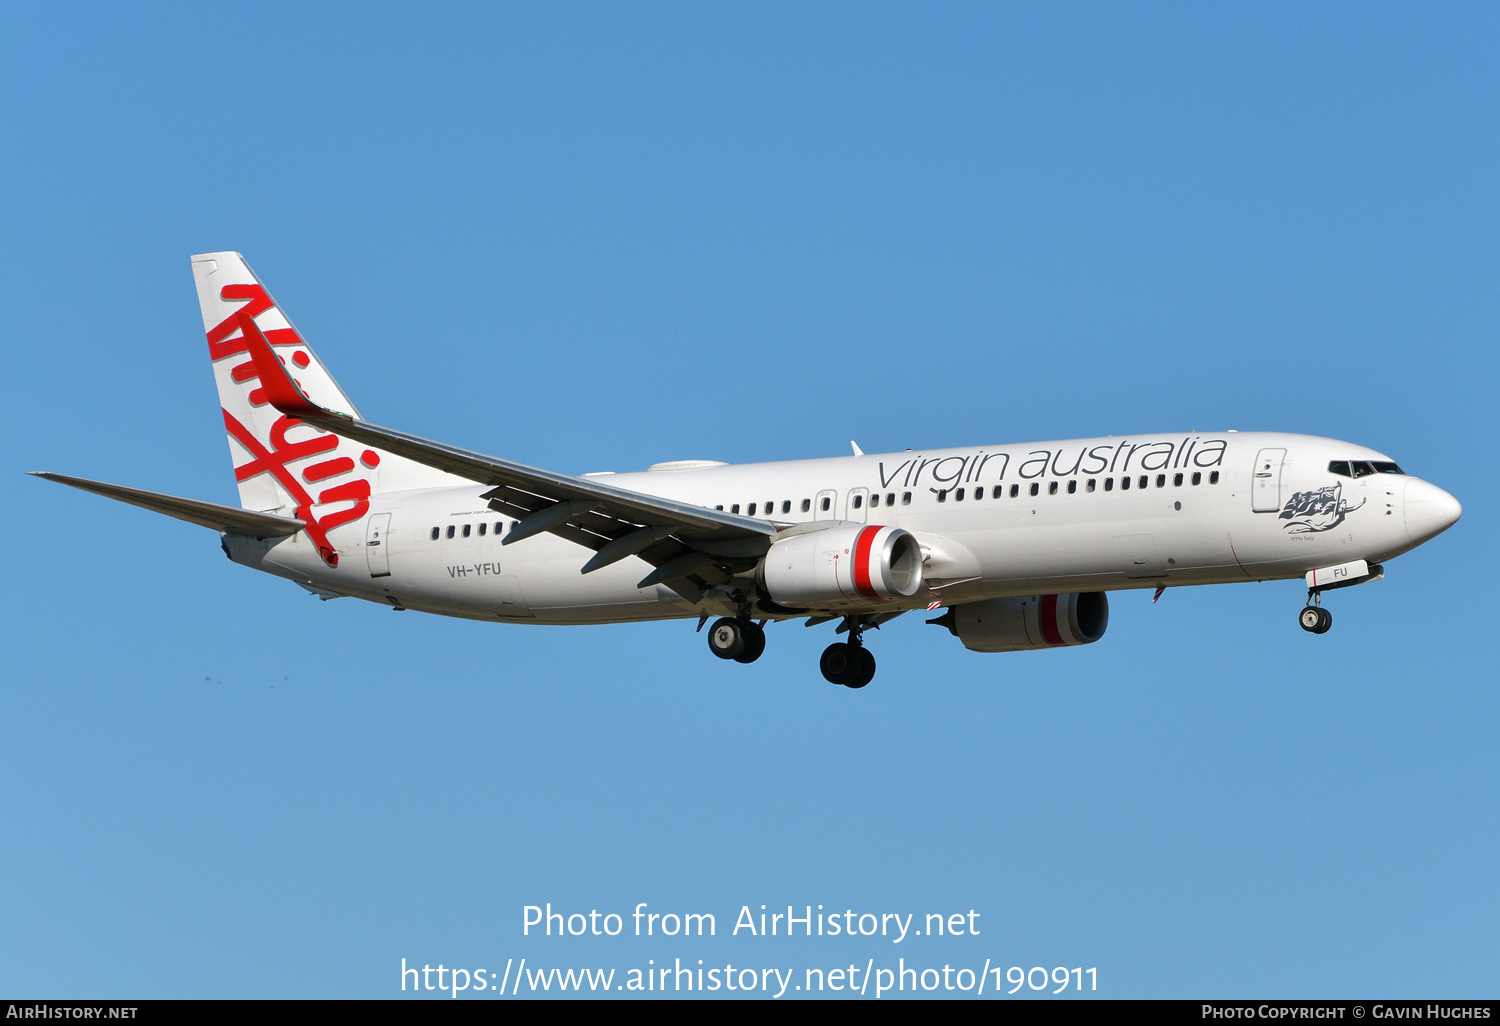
[[1362, 468]]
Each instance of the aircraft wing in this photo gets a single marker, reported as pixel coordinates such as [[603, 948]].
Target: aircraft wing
[[691, 546], [194, 511]]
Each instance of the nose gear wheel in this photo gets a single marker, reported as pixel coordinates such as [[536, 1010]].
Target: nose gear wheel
[[1315, 619]]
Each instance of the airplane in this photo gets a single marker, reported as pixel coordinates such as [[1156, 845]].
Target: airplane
[[1019, 544]]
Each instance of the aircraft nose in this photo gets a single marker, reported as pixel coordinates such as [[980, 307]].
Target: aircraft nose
[[1429, 510]]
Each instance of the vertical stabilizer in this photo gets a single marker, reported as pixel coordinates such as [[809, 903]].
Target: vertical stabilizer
[[282, 465]]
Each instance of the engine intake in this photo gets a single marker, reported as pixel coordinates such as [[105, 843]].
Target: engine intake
[[843, 568], [1037, 621]]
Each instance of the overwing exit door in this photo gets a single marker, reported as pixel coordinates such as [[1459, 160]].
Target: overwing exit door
[[858, 500], [1266, 489]]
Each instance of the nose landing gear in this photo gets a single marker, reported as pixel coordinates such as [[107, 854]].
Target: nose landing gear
[[1315, 619]]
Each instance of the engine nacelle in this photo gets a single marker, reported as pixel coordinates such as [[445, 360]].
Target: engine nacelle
[[843, 568], [1037, 621]]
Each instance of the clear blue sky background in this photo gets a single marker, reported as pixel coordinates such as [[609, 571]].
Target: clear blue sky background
[[594, 237]]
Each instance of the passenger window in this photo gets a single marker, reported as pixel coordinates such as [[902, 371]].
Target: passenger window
[[1362, 468], [979, 493], [827, 504], [1072, 487], [942, 495], [450, 530], [435, 533], [482, 528], [806, 505], [1197, 477], [1124, 484], [960, 496], [1091, 484], [1143, 481], [1052, 488], [1177, 480], [1386, 468], [1015, 490], [719, 507], [1213, 478], [999, 491], [735, 508], [750, 510], [786, 505], [890, 498], [466, 529], [906, 498], [499, 526], [1109, 484], [1161, 480], [770, 507], [859, 500], [1035, 488], [1339, 467]]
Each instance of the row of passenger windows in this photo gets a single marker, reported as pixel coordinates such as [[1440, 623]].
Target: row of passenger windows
[[467, 529], [825, 503], [1089, 485], [1362, 468]]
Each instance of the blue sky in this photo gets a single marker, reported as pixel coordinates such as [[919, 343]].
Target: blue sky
[[596, 237]]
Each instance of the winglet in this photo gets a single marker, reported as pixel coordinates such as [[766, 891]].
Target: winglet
[[281, 390], [855, 446]]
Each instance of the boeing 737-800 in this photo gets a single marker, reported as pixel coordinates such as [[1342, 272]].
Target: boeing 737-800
[[1021, 542]]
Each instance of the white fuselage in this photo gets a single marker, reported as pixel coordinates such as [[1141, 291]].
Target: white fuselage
[[1265, 506]]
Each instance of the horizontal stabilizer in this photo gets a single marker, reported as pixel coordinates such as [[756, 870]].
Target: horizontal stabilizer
[[206, 514]]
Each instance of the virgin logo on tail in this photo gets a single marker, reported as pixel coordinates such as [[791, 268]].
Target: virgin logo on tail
[[275, 455]]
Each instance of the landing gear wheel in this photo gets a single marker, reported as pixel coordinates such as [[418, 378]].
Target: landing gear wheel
[[866, 669], [727, 638], [850, 665], [840, 663], [1315, 619], [755, 642]]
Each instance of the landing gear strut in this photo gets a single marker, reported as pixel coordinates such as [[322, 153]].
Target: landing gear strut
[[848, 663], [1314, 618], [740, 640]]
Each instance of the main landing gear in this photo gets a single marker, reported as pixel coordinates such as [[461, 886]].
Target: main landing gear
[[742, 640], [845, 662], [848, 663]]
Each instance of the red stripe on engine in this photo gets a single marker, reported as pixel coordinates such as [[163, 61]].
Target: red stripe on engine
[[862, 546], [1049, 620]]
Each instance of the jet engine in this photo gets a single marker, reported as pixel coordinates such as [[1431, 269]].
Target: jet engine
[[843, 568], [1037, 621]]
